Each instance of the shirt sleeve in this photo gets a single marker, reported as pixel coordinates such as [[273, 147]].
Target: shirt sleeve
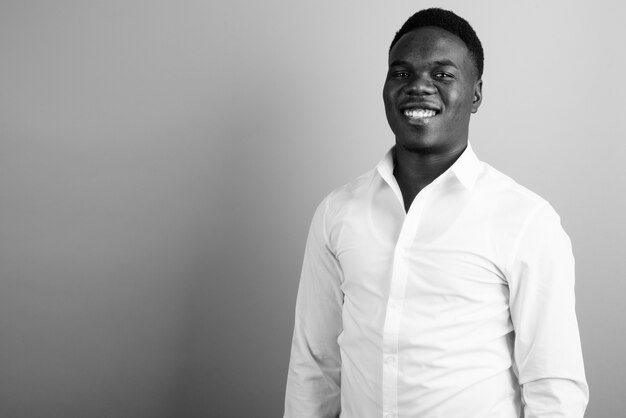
[[313, 382], [547, 352]]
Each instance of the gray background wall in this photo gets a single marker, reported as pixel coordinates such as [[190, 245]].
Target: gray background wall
[[160, 162]]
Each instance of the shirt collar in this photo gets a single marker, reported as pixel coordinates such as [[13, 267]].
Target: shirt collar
[[466, 168]]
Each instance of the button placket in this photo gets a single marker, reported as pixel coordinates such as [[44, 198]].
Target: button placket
[[395, 302]]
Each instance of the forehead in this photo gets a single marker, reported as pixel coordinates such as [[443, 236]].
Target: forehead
[[430, 43]]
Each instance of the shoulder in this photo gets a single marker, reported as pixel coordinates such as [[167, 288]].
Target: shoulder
[[508, 196], [337, 204], [341, 198], [510, 208], [522, 224], [517, 214]]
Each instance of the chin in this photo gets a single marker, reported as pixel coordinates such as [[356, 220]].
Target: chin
[[420, 144], [422, 149], [425, 141]]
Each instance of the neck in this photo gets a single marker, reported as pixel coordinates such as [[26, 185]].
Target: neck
[[415, 170]]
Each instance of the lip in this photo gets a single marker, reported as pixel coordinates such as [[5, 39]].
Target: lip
[[420, 105]]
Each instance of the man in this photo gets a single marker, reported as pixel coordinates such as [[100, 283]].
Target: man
[[433, 285]]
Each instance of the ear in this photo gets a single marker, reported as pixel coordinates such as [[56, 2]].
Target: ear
[[478, 96]]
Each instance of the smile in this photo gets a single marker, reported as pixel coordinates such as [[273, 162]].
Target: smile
[[419, 113]]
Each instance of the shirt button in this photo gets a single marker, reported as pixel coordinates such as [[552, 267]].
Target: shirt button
[[390, 359]]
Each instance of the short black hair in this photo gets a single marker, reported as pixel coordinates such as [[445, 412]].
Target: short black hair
[[447, 20]]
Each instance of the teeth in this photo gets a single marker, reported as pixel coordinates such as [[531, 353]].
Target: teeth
[[419, 113]]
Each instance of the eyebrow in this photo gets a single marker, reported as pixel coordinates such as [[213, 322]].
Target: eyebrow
[[397, 63], [441, 62], [446, 62]]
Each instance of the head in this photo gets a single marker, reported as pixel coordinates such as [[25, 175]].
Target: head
[[450, 22], [434, 82]]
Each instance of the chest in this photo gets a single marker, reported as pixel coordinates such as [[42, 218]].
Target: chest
[[445, 256]]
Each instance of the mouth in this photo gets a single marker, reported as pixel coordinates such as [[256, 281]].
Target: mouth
[[419, 113]]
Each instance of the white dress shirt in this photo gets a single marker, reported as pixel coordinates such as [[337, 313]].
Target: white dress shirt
[[461, 308]]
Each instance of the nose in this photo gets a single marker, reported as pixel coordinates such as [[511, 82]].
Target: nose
[[421, 85]]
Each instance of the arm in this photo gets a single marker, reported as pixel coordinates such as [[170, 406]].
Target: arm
[[313, 382], [548, 354]]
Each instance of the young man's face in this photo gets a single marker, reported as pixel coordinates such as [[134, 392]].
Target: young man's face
[[430, 91]]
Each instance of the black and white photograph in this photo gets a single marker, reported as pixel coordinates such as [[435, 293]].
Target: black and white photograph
[[332, 209]]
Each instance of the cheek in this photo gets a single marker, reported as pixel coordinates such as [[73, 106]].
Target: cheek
[[461, 100], [388, 100], [387, 94]]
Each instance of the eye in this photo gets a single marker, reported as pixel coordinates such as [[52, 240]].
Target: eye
[[400, 74], [443, 75]]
